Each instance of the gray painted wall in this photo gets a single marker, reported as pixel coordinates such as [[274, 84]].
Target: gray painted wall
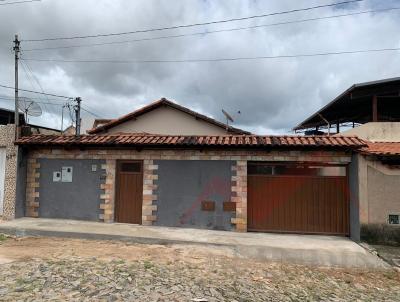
[[79, 199], [184, 184], [354, 199]]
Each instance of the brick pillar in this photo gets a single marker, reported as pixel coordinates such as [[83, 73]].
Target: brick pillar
[[150, 178], [107, 198], [239, 194], [32, 188]]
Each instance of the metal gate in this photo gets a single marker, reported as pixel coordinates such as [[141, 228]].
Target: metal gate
[[299, 200]]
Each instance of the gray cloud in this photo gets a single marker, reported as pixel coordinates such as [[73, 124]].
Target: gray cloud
[[272, 95]]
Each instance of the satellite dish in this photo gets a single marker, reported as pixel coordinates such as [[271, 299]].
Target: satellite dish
[[29, 107], [228, 119], [227, 115]]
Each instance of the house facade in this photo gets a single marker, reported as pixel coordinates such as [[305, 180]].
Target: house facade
[[226, 180]]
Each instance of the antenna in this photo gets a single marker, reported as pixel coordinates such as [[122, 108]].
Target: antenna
[[29, 107], [228, 118]]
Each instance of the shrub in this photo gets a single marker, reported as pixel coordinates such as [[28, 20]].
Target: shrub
[[381, 234]]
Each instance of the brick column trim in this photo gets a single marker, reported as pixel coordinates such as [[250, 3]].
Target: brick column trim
[[107, 197], [32, 188], [150, 178], [239, 194]]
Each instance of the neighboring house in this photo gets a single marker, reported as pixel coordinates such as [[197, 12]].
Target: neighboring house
[[166, 165], [8, 160], [373, 109], [70, 130], [164, 117]]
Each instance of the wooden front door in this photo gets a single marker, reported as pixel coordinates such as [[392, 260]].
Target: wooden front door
[[129, 192]]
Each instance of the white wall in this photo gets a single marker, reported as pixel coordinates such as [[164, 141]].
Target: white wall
[[377, 131]]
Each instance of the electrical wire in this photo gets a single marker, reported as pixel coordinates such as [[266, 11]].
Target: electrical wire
[[90, 112], [19, 2], [203, 33], [33, 98], [39, 102], [37, 92], [31, 82], [194, 24], [215, 59]]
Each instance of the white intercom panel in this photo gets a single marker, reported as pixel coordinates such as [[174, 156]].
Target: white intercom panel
[[56, 176], [66, 174]]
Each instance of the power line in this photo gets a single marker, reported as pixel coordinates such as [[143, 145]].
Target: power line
[[30, 80], [37, 92], [91, 112], [193, 25], [33, 98], [19, 2], [215, 59], [39, 102], [213, 31]]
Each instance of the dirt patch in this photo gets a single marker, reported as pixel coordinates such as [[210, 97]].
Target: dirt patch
[[54, 248], [390, 254]]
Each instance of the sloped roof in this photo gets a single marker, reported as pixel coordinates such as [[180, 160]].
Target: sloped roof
[[355, 105], [150, 140], [382, 148], [158, 104]]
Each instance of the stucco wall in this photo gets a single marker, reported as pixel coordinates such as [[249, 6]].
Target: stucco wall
[[377, 131], [379, 190], [79, 199], [383, 195], [166, 120], [183, 185], [7, 141]]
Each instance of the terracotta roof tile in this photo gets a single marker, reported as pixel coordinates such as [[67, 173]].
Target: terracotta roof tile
[[221, 141], [382, 148]]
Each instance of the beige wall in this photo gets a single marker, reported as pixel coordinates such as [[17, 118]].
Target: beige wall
[[7, 141], [379, 191], [166, 120], [377, 131]]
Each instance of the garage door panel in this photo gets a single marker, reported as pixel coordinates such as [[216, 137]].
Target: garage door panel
[[305, 204]]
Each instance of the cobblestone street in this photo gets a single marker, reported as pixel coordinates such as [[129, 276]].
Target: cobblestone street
[[65, 269]]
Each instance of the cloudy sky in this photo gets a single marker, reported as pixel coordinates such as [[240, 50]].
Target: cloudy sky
[[273, 95]]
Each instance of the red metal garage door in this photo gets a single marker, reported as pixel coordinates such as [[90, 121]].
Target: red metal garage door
[[298, 199]]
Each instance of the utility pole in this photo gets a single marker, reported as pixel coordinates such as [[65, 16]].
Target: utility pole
[[62, 118], [78, 116], [16, 112]]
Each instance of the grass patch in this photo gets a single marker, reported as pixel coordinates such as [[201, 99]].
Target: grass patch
[[148, 265], [3, 237]]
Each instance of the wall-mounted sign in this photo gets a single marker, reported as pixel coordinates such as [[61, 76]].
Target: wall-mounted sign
[[66, 174]]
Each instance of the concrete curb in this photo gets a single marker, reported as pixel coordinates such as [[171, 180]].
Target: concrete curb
[[309, 257]]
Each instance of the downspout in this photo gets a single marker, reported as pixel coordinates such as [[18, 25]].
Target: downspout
[[327, 122]]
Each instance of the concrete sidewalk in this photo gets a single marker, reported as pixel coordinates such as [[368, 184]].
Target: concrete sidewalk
[[301, 249]]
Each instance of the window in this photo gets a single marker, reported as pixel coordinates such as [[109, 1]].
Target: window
[[393, 219], [134, 167], [295, 169]]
